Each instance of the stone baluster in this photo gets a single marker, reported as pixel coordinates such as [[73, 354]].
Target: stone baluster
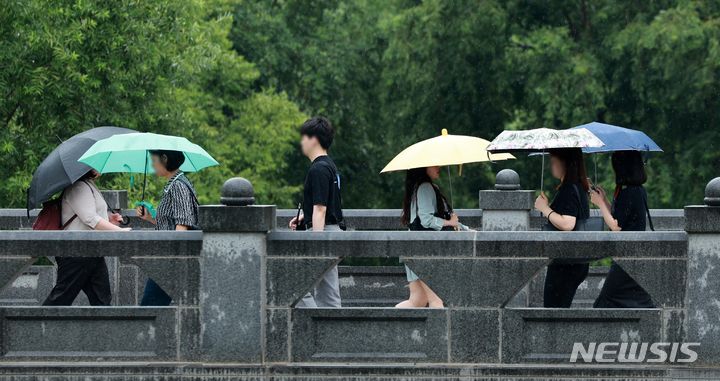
[[506, 208], [232, 279], [702, 320]]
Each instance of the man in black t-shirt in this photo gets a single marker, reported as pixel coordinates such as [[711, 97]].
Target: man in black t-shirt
[[322, 205], [322, 193]]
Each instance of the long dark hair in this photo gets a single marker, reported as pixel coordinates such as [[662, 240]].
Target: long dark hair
[[629, 168], [575, 172], [413, 179]]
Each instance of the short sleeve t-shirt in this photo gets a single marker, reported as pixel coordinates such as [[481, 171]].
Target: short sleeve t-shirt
[[571, 200], [322, 187], [629, 208]]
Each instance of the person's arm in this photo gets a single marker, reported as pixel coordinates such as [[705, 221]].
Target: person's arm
[[610, 221], [597, 197], [181, 228], [104, 224], [561, 222], [426, 208], [318, 217], [320, 182]]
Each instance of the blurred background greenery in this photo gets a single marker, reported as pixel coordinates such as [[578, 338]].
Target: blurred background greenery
[[240, 76]]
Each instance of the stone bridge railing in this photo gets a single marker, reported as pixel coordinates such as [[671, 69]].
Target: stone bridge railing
[[476, 274], [235, 285], [163, 333]]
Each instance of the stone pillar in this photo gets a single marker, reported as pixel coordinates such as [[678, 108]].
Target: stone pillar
[[232, 280], [702, 298], [116, 199], [506, 208]]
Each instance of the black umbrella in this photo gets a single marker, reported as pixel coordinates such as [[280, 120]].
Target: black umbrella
[[61, 167]]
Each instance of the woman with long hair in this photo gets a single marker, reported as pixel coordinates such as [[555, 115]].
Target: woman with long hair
[[626, 213], [568, 211], [425, 208]]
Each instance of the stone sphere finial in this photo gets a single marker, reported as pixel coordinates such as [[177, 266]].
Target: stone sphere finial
[[712, 192], [507, 179], [237, 191]]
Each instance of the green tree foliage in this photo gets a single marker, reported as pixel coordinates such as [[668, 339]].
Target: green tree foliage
[[390, 73], [239, 76], [163, 66]]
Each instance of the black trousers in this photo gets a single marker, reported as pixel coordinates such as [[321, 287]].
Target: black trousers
[[561, 283], [75, 274], [621, 291]]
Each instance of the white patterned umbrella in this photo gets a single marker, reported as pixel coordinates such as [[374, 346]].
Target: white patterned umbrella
[[542, 140]]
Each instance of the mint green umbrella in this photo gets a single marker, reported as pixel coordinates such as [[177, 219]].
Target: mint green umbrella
[[130, 153]]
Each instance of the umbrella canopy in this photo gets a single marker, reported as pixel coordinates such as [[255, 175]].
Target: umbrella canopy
[[618, 139], [444, 150], [61, 167], [129, 153], [543, 139]]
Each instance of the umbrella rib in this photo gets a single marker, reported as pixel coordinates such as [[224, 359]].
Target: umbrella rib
[[191, 162], [107, 158]]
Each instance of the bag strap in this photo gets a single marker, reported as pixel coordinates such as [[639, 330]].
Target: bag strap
[[647, 210], [190, 188], [65, 225], [74, 216], [577, 193], [333, 190]]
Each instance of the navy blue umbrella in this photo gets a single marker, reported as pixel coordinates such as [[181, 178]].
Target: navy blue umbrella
[[619, 139]]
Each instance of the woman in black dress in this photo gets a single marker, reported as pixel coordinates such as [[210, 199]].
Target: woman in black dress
[[626, 213], [568, 211]]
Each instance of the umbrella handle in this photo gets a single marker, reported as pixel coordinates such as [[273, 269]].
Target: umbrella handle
[[542, 173], [451, 192]]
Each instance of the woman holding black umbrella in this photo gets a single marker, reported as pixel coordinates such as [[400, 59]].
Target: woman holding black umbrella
[[83, 208]]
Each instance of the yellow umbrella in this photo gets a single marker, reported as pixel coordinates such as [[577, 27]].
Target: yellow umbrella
[[444, 150]]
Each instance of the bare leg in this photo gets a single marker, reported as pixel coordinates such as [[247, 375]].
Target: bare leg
[[434, 301], [418, 297]]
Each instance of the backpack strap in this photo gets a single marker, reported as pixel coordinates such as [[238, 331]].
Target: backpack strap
[[334, 190], [66, 224], [74, 216]]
